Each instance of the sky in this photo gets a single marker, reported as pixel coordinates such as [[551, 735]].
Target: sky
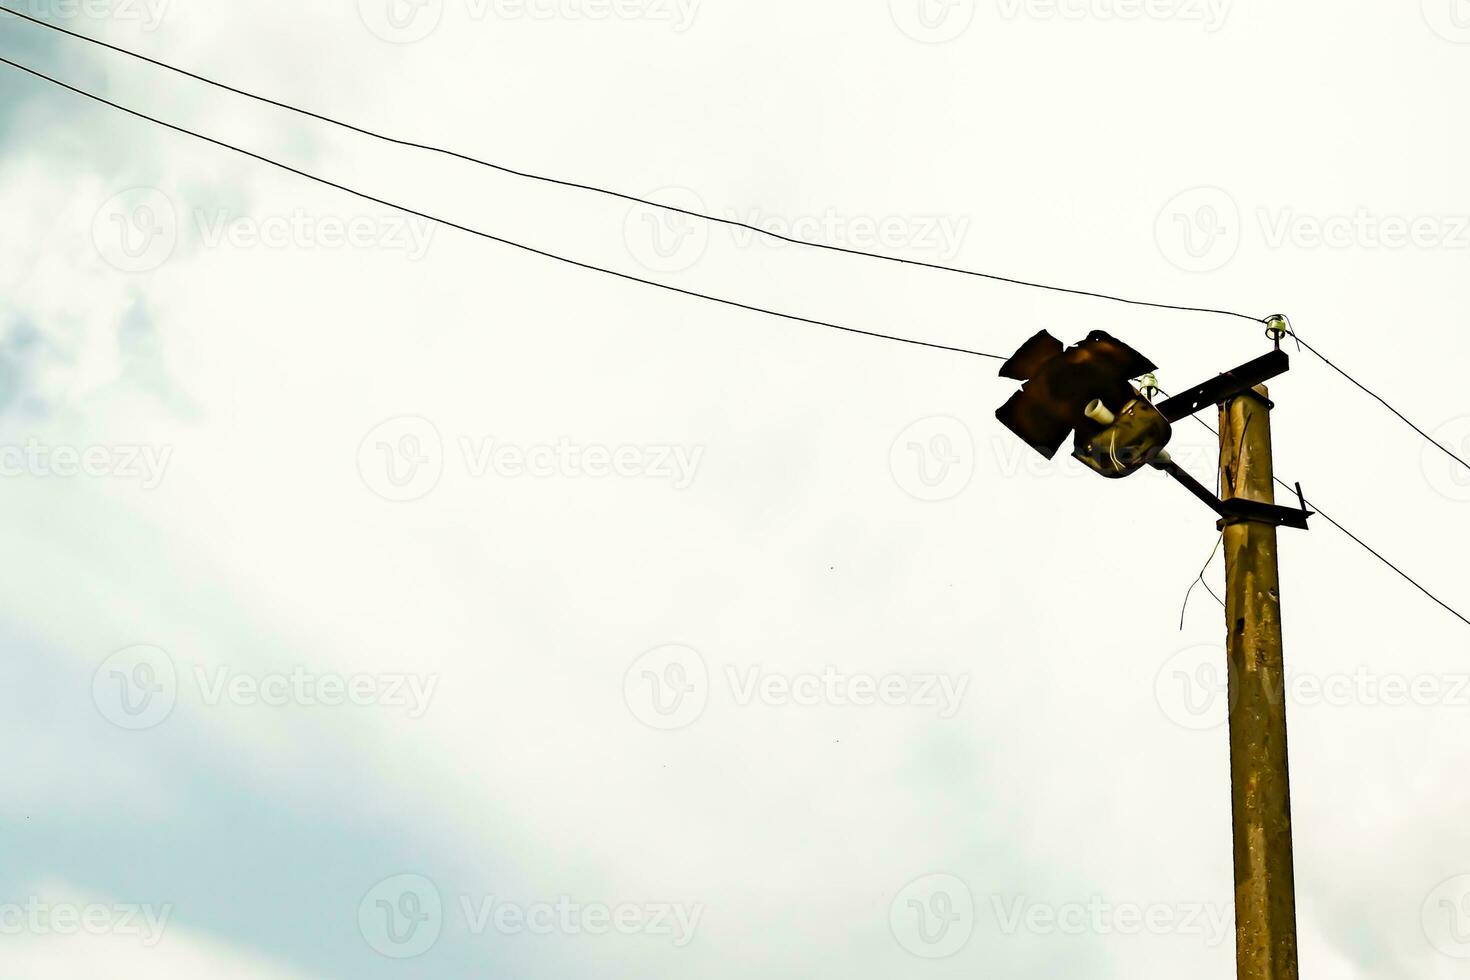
[[384, 601]]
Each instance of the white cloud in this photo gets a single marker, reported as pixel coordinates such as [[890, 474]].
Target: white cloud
[[59, 932], [795, 548]]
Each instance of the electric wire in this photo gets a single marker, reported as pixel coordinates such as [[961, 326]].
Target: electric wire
[[1359, 541], [1429, 438], [698, 215], [494, 238], [676, 289]]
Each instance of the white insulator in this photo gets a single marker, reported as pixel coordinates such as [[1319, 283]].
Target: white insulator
[[1099, 412]]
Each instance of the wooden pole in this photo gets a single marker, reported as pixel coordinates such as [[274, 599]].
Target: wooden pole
[[1265, 889]]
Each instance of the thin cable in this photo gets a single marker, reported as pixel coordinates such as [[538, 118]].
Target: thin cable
[[494, 238], [1443, 448], [1200, 580], [693, 214], [702, 216], [1369, 548], [1361, 543], [699, 215]]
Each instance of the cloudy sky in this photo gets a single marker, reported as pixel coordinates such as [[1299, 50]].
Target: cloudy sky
[[387, 602]]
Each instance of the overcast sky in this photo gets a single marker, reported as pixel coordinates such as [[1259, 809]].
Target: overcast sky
[[386, 602]]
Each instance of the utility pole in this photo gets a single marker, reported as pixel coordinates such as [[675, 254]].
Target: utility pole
[[1265, 889], [1086, 392]]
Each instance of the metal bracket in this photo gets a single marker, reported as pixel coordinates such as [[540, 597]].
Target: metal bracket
[[1224, 387], [1238, 510], [1238, 383]]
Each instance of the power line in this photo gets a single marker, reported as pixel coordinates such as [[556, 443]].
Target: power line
[[1445, 449], [1372, 551], [825, 246], [1361, 543], [698, 215], [676, 289], [694, 214], [486, 235]]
